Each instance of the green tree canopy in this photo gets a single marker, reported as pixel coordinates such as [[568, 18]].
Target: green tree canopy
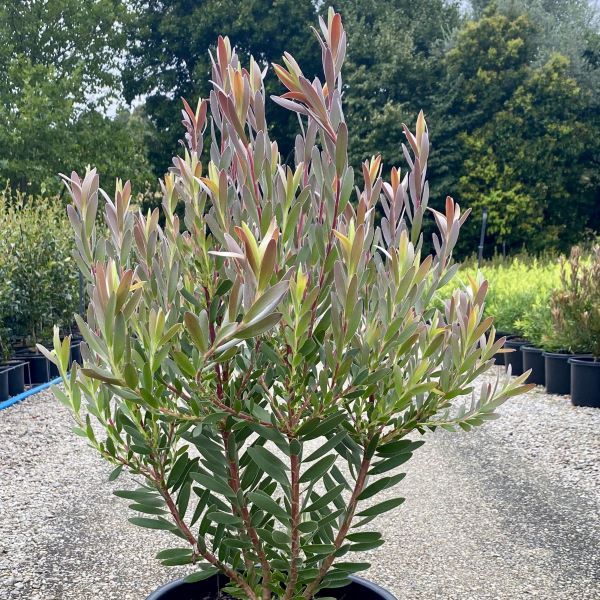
[[59, 62], [168, 56], [519, 135]]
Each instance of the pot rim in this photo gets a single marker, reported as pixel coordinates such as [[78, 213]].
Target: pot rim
[[588, 361], [520, 342], [567, 355], [368, 585], [532, 349], [12, 365], [29, 354]]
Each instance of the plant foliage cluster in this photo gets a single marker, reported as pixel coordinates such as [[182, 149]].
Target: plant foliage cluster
[[260, 370], [575, 304], [510, 87], [38, 275], [552, 302]]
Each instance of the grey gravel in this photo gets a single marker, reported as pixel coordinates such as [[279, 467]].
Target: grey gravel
[[508, 511]]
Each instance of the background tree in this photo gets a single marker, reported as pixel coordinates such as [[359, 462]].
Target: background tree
[[167, 57], [59, 74], [394, 68], [518, 136]]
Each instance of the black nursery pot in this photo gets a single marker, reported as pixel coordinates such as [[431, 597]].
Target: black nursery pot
[[558, 372], [585, 381], [533, 358], [15, 371], [75, 352], [514, 359], [499, 356], [359, 589], [3, 384], [39, 367]]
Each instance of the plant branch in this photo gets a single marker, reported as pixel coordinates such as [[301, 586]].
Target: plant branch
[[244, 513], [208, 556], [295, 532], [343, 530]]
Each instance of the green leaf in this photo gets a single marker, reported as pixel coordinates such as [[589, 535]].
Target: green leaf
[[308, 526], [173, 553], [327, 446], [115, 473], [143, 496], [380, 508], [380, 484], [399, 447], [214, 483], [257, 327], [266, 303], [148, 509], [225, 518], [269, 463], [389, 463], [319, 548], [364, 536], [315, 428], [152, 523], [325, 499], [205, 573], [316, 471], [266, 503], [192, 324]]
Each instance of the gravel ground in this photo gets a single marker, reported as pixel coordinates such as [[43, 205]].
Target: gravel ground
[[508, 511]]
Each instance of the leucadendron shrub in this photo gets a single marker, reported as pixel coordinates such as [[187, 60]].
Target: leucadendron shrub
[[575, 304], [261, 367]]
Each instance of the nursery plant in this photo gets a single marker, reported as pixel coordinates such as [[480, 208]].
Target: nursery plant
[[575, 304], [38, 276], [264, 367]]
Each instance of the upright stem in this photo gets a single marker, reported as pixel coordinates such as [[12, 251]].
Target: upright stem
[[208, 556], [343, 530], [244, 513], [295, 532]]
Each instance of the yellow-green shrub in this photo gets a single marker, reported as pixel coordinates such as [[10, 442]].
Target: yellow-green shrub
[[519, 294]]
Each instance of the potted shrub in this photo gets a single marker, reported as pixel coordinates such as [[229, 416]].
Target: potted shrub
[[507, 301], [576, 312], [39, 275], [536, 325], [261, 365], [569, 336]]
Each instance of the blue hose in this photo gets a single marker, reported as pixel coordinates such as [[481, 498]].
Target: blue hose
[[29, 392]]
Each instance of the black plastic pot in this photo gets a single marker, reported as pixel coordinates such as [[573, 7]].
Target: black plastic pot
[[15, 370], [514, 359], [499, 356], [533, 358], [359, 589], [39, 367], [3, 384], [585, 381], [558, 372], [75, 352]]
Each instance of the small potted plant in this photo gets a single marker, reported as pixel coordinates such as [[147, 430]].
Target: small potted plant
[[576, 315], [260, 366], [536, 325], [574, 309]]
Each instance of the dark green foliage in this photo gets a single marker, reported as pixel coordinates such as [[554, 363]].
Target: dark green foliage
[[168, 57], [59, 65], [395, 69], [520, 135], [38, 275]]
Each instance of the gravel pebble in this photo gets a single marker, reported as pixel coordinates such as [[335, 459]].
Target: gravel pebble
[[507, 511]]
